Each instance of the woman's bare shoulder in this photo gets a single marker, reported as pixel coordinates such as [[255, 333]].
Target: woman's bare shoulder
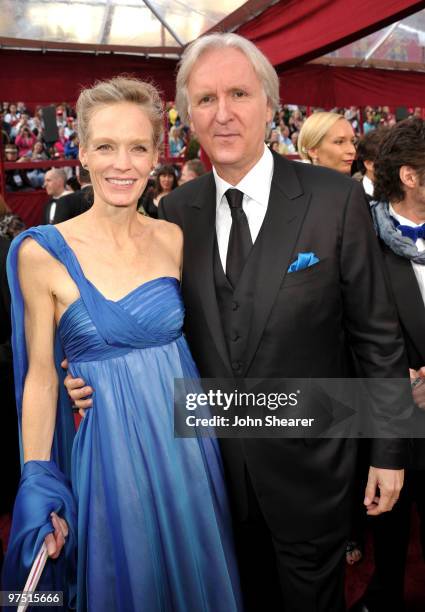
[[31, 252], [36, 264], [36, 268]]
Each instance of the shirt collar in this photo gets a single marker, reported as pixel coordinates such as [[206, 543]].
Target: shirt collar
[[255, 184], [368, 186], [402, 220]]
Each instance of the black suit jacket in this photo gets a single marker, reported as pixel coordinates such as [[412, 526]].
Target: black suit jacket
[[411, 312], [69, 206], [304, 325]]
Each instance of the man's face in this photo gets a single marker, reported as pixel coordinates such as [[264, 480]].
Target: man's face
[[228, 111], [53, 184]]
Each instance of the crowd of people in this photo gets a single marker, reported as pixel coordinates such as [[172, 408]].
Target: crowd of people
[[290, 269], [23, 138]]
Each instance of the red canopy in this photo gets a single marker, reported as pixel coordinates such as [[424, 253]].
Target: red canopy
[[294, 32], [328, 86], [53, 77], [290, 33]]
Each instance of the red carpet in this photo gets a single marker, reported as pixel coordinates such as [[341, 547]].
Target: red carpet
[[357, 575]]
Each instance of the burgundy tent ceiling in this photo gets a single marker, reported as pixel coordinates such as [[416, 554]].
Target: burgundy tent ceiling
[[290, 33], [328, 86], [52, 77], [293, 32]]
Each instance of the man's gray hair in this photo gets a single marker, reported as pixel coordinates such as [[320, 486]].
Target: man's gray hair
[[263, 68], [59, 173]]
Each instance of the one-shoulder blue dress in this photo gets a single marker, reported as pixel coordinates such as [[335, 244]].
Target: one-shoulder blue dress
[[148, 513]]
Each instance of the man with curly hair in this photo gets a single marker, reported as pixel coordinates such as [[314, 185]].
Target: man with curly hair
[[399, 216]]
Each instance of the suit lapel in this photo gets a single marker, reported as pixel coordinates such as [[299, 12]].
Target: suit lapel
[[279, 233], [200, 253], [410, 305]]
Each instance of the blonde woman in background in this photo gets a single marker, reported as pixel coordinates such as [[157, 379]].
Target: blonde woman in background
[[327, 139]]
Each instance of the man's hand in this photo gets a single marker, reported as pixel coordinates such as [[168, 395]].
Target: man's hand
[[77, 391], [417, 378], [389, 483]]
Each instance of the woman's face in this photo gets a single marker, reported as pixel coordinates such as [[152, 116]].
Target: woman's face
[[166, 182], [337, 149], [119, 153]]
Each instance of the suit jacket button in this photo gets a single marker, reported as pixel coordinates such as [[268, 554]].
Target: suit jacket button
[[235, 337], [235, 305], [236, 366]]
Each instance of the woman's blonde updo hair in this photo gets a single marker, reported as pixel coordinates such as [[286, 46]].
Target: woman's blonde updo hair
[[115, 90], [314, 130]]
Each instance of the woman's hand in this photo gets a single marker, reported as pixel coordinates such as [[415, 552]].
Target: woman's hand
[[55, 541]]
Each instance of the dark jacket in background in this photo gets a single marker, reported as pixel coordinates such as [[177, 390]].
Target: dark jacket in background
[[69, 206]]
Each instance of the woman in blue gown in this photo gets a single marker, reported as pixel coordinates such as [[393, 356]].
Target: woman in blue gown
[[136, 519]]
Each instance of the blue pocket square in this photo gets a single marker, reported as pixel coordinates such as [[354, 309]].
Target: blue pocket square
[[304, 260]]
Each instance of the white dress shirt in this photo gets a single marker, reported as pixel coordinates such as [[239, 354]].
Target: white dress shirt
[[256, 189], [52, 210], [419, 269], [368, 186]]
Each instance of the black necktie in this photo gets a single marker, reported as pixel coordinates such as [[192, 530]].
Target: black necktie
[[240, 241]]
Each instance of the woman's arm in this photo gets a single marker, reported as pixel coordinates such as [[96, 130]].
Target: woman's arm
[[41, 382]]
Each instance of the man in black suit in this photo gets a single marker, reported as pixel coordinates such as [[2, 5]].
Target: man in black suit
[[400, 186], [246, 317], [290, 498], [76, 202], [54, 183]]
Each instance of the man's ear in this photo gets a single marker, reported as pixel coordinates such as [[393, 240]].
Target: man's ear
[[270, 114], [408, 176], [155, 159]]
